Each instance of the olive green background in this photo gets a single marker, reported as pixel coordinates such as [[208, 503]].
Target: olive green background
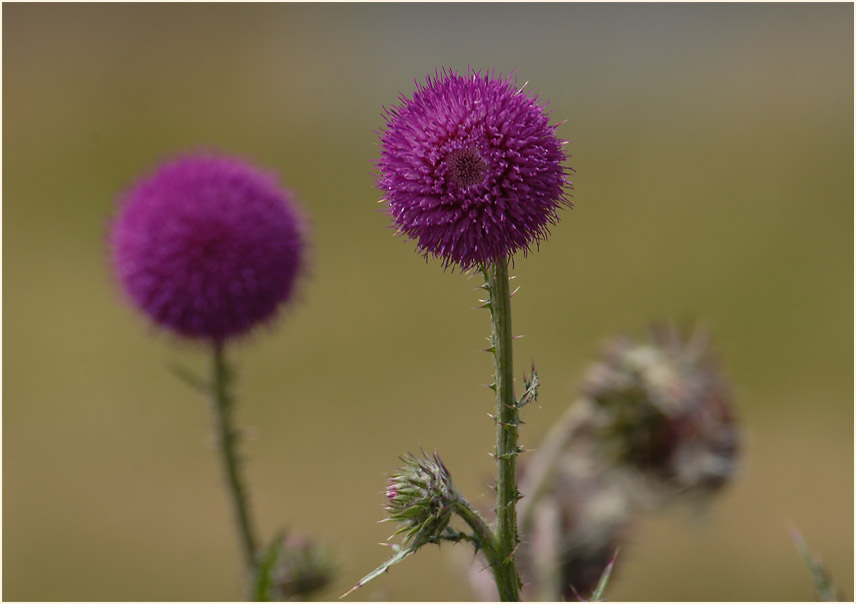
[[713, 149]]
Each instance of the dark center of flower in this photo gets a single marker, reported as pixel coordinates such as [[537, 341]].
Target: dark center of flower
[[466, 167]]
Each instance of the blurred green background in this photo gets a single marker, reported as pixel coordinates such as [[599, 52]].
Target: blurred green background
[[713, 148]]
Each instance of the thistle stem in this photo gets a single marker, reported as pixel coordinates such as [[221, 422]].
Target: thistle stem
[[482, 535], [507, 421], [227, 441]]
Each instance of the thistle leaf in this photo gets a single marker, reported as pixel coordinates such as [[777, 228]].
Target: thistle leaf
[[597, 595], [191, 379], [530, 390], [822, 584], [400, 554]]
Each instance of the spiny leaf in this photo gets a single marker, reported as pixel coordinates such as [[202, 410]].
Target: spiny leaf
[[597, 595], [400, 554], [822, 583], [530, 389], [190, 378]]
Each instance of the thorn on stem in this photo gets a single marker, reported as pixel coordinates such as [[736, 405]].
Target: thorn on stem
[[511, 553]]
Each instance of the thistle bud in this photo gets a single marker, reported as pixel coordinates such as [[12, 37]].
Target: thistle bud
[[304, 568], [420, 497]]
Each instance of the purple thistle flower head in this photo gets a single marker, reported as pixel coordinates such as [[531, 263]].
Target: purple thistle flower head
[[207, 246], [471, 168]]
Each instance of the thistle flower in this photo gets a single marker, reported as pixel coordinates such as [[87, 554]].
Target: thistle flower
[[471, 168], [420, 497], [207, 247]]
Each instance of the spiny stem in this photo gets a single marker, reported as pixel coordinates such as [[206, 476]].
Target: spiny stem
[[507, 422], [487, 541], [227, 441], [482, 535]]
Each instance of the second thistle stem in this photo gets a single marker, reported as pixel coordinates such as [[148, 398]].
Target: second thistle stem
[[507, 422], [227, 441]]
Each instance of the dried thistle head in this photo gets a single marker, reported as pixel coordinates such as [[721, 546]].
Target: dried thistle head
[[661, 408]]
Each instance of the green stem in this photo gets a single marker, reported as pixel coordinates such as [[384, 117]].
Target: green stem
[[482, 535], [227, 441], [507, 422]]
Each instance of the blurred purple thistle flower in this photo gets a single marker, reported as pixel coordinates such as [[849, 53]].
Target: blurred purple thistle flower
[[207, 247], [471, 168]]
